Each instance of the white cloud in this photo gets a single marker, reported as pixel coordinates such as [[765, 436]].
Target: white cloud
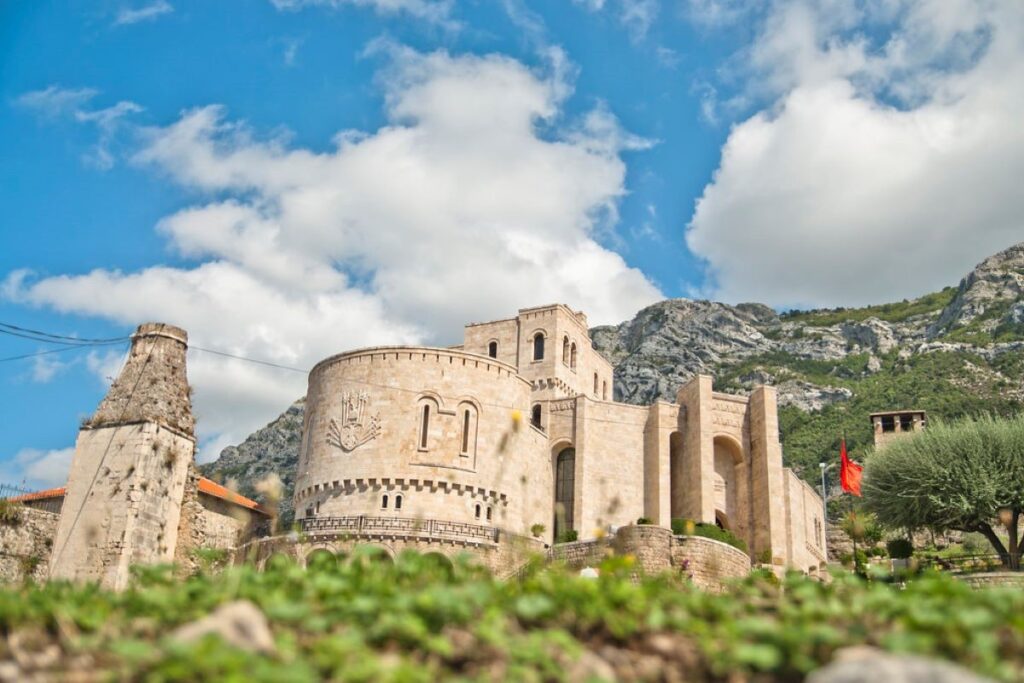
[[129, 15], [55, 102], [638, 16], [474, 200], [437, 11], [879, 171], [37, 469]]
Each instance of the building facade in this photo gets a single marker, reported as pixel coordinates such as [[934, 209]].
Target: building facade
[[515, 435]]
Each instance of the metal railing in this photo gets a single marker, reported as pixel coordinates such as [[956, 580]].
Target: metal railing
[[368, 525], [54, 505]]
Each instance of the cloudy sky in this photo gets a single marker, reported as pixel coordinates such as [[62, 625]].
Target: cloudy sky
[[288, 179]]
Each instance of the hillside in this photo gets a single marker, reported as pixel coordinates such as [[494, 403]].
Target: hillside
[[955, 352]]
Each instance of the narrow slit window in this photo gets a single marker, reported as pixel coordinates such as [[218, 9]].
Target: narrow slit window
[[565, 351], [425, 426], [604, 391], [538, 346], [595, 385], [465, 431], [384, 502], [478, 510], [492, 349], [572, 356], [488, 513], [398, 501]]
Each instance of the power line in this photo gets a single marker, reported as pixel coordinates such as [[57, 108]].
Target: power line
[[57, 338], [248, 360], [73, 347]]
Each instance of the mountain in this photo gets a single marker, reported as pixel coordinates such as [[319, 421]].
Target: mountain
[[955, 352]]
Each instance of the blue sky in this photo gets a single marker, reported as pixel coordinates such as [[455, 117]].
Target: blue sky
[[287, 179]]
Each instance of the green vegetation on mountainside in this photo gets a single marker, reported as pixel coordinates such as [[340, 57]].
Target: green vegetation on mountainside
[[948, 385], [894, 313], [417, 620]]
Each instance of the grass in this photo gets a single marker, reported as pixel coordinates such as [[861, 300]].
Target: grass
[[894, 312], [419, 621]]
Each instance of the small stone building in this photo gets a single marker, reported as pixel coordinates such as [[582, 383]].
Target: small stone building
[[894, 424], [514, 435]]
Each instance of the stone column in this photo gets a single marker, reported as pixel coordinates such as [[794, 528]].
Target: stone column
[[661, 422], [698, 449], [768, 485], [131, 463]]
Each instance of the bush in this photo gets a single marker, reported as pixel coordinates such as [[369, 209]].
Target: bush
[[537, 530], [899, 548], [567, 536], [416, 621], [10, 513], [687, 527], [645, 520]]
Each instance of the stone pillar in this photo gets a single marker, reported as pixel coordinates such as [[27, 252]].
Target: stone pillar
[[698, 449], [661, 422], [768, 485], [131, 463]]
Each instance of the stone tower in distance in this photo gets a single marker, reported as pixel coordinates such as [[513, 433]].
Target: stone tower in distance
[[131, 464]]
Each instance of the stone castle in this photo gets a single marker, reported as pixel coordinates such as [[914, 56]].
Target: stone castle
[[505, 445]]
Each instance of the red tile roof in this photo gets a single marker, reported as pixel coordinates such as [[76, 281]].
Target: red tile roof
[[212, 488], [207, 486], [40, 495]]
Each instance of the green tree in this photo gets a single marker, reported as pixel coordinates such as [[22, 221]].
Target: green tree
[[967, 476]]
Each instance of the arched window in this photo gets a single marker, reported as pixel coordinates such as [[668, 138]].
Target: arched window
[[468, 430], [565, 350], [572, 356], [478, 510], [535, 416], [424, 425], [398, 501], [488, 513], [384, 502], [604, 390], [492, 349], [565, 489], [538, 346], [596, 385]]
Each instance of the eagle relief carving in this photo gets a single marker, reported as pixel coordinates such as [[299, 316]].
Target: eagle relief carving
[[356, 425]]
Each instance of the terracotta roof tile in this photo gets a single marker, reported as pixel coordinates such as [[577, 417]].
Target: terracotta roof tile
[[212, 488], [40, 495]]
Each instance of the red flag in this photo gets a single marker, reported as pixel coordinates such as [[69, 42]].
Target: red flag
[[849, 472]]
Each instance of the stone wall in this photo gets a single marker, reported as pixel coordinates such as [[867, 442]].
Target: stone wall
[[650, 545], [579, 554], [708, 562], [25, 543], [988, 580]]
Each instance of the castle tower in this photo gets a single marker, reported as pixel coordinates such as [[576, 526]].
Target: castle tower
[[897, 423], [131, 463]]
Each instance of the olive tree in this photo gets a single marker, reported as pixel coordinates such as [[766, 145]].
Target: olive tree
[[965, 476]]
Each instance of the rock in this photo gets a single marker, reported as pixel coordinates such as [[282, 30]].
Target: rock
[[590, 667], [808, 397], [870, 665], [871, 335], [239, 623], [995, 282]]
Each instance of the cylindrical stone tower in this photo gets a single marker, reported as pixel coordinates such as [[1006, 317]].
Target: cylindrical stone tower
[[439, 436]]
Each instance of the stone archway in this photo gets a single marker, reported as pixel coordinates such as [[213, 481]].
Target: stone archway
[[728, 455], [321, 558]]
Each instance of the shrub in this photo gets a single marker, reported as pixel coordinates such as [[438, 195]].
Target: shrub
[[687, 527], [567, 536], [900, 548], [9, 512], [645, 520], [415, 620], [537, 530]]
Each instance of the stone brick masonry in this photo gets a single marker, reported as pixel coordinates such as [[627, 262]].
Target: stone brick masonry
[[25, 543]]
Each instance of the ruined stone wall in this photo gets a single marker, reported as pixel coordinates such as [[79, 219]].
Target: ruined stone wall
[[708, 563], [25, 543], [123, 502]]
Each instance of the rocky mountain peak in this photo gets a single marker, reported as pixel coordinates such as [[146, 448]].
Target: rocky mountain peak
[[988, 296]]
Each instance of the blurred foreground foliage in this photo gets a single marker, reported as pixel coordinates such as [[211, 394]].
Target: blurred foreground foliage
[[421, 620]]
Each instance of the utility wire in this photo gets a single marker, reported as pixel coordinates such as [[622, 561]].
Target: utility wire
[[24, 332], [73, 347]]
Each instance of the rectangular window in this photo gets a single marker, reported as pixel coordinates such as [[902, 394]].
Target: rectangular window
[[425, 426], [465, 432]]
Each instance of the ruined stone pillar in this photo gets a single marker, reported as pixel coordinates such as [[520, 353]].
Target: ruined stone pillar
[[698, 450], [767, 483], [131, 463]]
